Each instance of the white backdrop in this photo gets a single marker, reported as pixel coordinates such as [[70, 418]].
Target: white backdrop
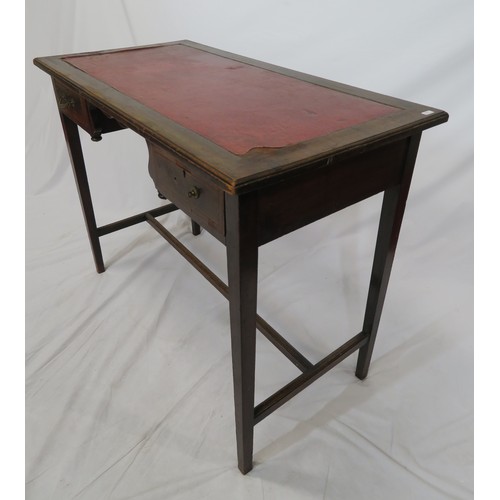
[[129, 389]]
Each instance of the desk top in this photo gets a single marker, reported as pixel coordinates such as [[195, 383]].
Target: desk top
[[240, 120], [235, 105]]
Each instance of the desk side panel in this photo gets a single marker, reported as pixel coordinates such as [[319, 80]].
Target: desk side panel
[[305, 198]]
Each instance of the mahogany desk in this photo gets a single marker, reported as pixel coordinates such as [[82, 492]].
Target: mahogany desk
[[250, 151]]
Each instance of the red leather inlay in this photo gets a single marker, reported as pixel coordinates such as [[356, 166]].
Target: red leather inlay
[[235, 105]]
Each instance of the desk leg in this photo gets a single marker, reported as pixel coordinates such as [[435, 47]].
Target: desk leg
[[242, 258], [76, 155], [393, 208]]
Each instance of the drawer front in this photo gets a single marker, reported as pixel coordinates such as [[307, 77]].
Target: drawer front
[[177, 180], [73, 106]]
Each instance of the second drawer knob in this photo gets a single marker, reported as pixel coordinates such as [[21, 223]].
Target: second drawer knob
[[194, 193]]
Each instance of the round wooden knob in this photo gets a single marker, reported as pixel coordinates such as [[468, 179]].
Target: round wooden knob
[[96, 135], [194, 193]]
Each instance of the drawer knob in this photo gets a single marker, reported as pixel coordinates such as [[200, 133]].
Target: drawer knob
[[96, 135], [194, 193], [66, 102]]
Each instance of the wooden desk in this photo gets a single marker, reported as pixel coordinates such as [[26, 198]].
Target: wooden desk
[[250, 151]]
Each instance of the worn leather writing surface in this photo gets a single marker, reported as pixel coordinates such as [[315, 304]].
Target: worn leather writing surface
[[235, 105]]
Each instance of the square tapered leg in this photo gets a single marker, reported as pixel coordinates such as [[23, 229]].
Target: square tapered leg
[[391, 217], [242, 257], [77, 162]]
